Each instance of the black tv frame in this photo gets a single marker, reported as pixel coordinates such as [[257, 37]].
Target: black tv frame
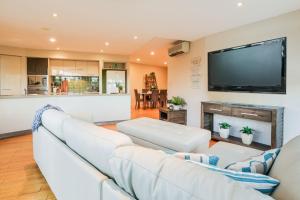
[[249, 89]]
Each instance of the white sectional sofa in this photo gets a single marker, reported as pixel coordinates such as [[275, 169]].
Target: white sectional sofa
[[81, 161]]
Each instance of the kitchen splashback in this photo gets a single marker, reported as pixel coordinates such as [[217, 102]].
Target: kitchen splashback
[[77, 84]]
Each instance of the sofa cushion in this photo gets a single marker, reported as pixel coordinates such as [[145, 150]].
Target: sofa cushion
[[93, 143], [286, 168], [151, 174], [53, 121], [230, 153], [168, 135], [259, 164]]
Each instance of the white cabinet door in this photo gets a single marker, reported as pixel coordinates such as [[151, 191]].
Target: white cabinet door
[[69, 68], [11, 79], [81, 68], [92, 68], [57, 67]]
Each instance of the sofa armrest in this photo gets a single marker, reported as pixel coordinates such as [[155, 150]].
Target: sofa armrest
[[68, 175]]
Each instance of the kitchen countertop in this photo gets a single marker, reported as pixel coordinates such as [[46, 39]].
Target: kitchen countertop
[[58, 95]]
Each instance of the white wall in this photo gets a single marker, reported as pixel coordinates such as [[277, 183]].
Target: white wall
[[179, 72], [17, 113]]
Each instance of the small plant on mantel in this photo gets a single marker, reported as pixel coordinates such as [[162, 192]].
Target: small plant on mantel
[[224, 129], [247, 135]]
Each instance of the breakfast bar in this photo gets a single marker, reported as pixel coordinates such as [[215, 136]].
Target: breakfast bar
[[17, 112]]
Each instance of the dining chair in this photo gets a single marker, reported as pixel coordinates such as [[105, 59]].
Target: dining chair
[[138, 99], [163, 97], [154, 98]]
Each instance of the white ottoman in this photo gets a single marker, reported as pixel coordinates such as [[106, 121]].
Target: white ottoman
[[165, 136]]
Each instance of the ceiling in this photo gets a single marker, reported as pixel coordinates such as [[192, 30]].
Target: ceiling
[[86, 25]]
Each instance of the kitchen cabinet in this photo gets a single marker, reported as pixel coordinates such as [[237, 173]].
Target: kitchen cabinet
[[37, 66], [10, 75], [56, 67], [81, 68], [69, 68], [92, 68], [74, 68]]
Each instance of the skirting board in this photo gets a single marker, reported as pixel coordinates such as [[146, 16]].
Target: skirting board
[[14, 134]]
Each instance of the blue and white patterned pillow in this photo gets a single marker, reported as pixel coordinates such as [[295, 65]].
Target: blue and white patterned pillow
[[262, 183], [259, 164], [197, 157]]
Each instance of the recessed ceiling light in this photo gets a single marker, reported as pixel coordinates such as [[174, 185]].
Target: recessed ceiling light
[[52, 39], [57, 48], [101, 51], [152, 53], [106, 43], [135, 37], [54, 15], [138, 59], [165, 63], [240, 4]]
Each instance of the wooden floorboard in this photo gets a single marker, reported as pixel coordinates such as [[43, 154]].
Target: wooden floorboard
[[20, 177]]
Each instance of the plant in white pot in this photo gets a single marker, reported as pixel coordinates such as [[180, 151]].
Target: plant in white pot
[[119, 86], [224, 129], [247, 135], [177, 103]]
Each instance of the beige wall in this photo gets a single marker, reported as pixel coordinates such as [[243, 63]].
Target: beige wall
[[179, 73], [137, 73]]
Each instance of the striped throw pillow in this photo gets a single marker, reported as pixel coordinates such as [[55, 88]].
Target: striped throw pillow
[[262, 183], [197, 157], [259, 164]]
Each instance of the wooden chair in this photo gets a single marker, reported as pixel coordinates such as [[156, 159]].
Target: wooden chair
[[154, 98], [163, 97], [138, 99]]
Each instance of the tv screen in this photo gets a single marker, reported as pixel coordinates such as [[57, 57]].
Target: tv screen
[[258, 67]]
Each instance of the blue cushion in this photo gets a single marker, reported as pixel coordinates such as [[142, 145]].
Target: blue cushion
[[264, 184], [197, 157], [258, 164]]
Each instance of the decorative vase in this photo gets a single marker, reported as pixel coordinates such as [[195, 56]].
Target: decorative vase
[[224, 133], [247, 138], [176, 107]]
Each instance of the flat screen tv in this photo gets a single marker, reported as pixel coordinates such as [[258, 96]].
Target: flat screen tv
[[259, 67]]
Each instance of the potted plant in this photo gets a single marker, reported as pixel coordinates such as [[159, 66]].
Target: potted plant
[[177, 103], [120, 87], [247, 135], [224, 129]]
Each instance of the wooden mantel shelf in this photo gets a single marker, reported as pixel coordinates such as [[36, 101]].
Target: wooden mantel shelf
[[270, 114]]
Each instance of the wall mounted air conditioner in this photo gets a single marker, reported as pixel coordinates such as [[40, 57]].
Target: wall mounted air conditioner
[[180, 48]]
